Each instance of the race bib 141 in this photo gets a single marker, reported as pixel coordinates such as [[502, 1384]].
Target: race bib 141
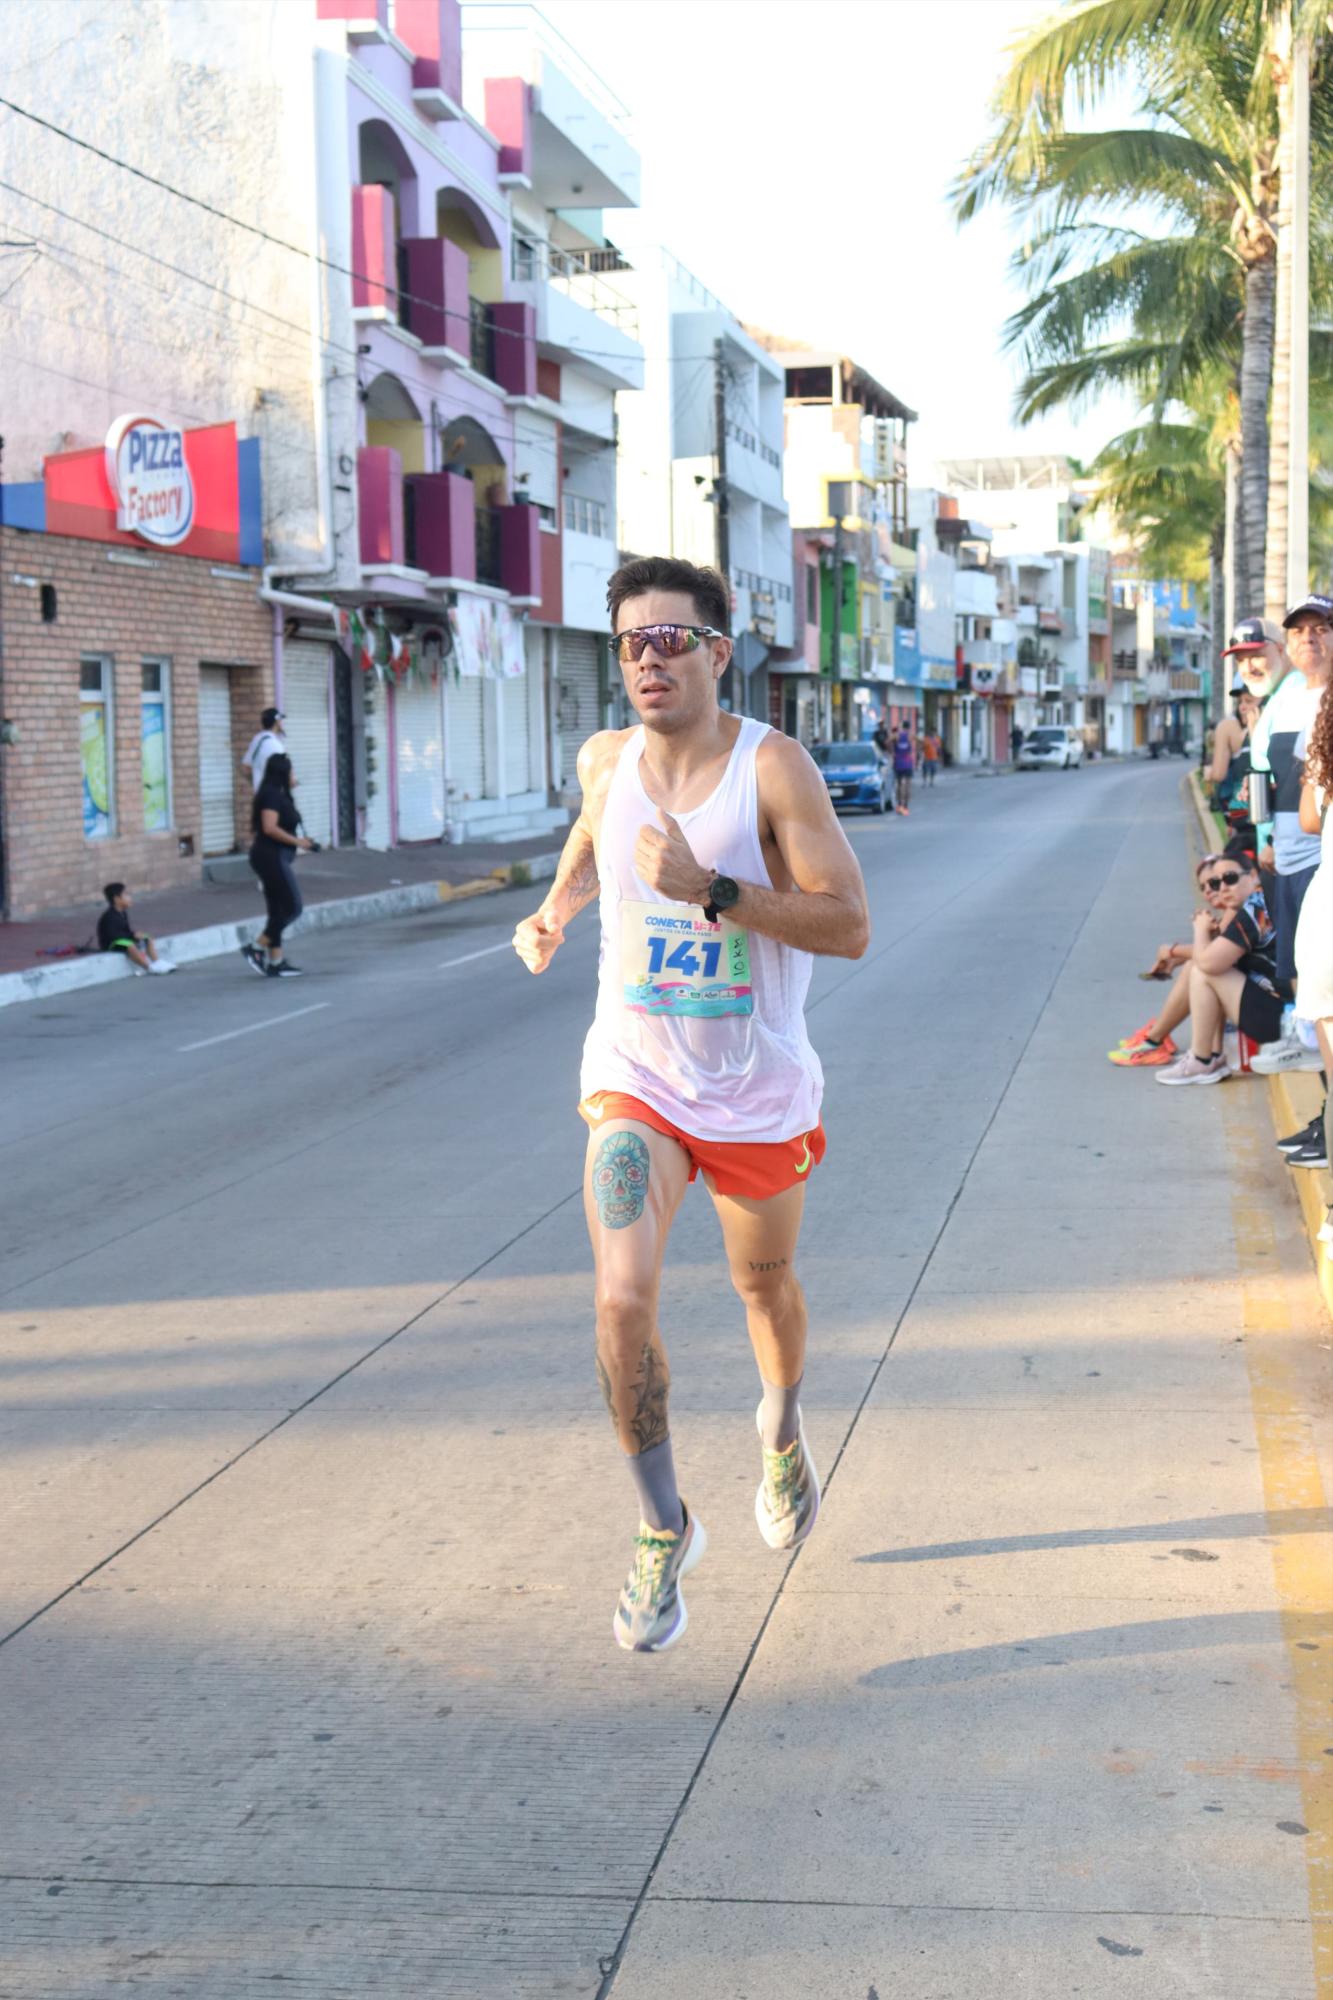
[[673, 961]]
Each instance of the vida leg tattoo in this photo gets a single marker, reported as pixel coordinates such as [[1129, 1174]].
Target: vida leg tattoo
[[620, 1179]]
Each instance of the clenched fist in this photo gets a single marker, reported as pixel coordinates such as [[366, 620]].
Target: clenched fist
[[666, 863], [537, 940]]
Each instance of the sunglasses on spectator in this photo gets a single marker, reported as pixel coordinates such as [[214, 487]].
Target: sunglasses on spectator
[[668, 641], [1220, 881]]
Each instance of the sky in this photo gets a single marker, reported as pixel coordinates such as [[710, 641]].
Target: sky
[[797, 156]]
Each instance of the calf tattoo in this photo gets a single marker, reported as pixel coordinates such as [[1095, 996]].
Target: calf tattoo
[[620, 1179], [651, 1387]]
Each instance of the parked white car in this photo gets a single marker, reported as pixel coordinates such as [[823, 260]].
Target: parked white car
[[1055, 747]]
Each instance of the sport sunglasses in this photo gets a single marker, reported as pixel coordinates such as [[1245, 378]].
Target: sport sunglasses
[[670, 641]]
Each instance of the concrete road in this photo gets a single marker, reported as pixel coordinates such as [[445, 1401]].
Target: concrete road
[[313, 1525]]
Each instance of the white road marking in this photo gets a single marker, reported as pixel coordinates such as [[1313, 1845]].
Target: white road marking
[[468, 956], [276, 1021]]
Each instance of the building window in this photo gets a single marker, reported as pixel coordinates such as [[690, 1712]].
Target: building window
[[811, 594], [96, 748], [585, 517], [155, 745]]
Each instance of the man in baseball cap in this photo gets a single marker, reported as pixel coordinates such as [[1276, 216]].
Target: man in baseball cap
[[262, 746], [1288, 714]]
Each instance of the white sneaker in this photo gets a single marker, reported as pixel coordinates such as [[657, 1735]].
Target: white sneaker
[[1289, 1053], [160, 965], [1194, 1069], [1325, 1230]]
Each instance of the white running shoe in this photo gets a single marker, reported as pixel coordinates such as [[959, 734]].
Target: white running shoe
[[1194, 1069], [651, 1615], [1289, 1053], [160, 965], [786, 1506]]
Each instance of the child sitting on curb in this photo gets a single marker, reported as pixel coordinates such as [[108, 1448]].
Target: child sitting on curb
[[115, 932]]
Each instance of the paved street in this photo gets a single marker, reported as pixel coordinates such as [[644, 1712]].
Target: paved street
[[314, 1524]]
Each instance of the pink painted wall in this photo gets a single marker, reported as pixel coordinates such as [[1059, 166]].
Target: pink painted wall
[[509, 116], [433, 31], [355, 10], [379, 479], [373, 259], [515, 347], [520, 550], [446, 523], [437, 278]]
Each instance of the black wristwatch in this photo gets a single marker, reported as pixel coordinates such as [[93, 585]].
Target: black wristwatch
[[723, 894]]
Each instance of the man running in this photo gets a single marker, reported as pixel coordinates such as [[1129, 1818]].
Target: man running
[[722, 871], [904, 763]]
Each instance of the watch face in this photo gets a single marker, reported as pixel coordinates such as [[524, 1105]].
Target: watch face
[[724, 893]]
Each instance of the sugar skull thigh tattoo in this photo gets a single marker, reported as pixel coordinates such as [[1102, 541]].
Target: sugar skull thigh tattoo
[[620, 1179]]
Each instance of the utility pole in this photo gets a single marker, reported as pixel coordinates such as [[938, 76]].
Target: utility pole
[[1298, 456], [835, 664], [721, 524]]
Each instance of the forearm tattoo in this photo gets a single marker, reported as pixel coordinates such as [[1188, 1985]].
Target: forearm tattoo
[[582, 884], [620, 1179]]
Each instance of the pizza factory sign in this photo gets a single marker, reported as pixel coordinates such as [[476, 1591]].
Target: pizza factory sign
[[149, 475]]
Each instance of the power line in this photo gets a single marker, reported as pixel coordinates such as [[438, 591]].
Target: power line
[[265, 235]]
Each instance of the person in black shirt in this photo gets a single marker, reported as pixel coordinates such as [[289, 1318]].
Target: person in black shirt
[[272, 850], [115, 932], [1233, 974]]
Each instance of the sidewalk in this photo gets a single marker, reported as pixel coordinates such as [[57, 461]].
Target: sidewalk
[[341, 885]]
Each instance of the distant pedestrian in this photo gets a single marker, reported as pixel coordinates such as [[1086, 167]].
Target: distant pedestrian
[[883, 739], [269, 741], [272, 852], [931, 749], [904, 763], [115, 932], [1016, 739]]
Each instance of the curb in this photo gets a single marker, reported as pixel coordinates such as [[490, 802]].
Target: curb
[[1293, 1100], [40, 982]]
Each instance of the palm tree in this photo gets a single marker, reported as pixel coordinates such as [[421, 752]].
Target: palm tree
[[1137, 308]]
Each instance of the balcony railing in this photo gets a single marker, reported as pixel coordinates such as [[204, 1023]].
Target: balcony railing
[[481, 338], [749, 579], [488, 545], [1125, 666], [580, 275]]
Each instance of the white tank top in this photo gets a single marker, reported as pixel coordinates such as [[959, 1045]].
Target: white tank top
[[747, 1076]]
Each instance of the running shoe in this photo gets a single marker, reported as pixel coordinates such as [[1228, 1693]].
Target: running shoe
[[1195, 1069], [1295, 1140], [787, 1503], [651, 1613], [1139, 1035], [1326, 1229], [284, 969], [160, 965], [1275, 1058], [1314, 1153], [255, 959], [1143, 1055]]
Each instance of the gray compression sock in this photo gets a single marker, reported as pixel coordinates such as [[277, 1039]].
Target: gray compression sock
[[779, 1419], [654, 1475]]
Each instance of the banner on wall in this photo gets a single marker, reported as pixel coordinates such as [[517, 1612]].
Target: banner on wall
[[488, 639], [154, 484]]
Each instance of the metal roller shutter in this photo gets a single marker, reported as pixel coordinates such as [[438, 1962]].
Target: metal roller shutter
[[217, 776], [466, 766], [420, 741], [516, 705], [305, 696], [579, 696]]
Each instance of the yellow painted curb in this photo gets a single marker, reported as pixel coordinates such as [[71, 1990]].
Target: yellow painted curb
[[484, 885], [1294, 1099]]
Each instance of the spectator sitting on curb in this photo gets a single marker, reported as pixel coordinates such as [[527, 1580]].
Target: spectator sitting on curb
[[1151, 1046], [1314, 931], [115, 932], [1232, 975]]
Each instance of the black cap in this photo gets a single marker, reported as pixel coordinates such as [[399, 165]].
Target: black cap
[[1321, 606], [270, 716]]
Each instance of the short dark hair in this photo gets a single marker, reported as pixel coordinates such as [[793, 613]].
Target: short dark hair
[[113, 889], [712, 599], [269, 717]]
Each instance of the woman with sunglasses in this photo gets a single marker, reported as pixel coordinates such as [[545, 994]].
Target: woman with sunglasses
[[1233, 975], [722, 871], [1151, 1046]]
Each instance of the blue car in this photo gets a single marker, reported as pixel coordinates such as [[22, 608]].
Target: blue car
[[855, 774]]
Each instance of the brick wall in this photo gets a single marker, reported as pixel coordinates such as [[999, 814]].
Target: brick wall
[[178, 611]]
